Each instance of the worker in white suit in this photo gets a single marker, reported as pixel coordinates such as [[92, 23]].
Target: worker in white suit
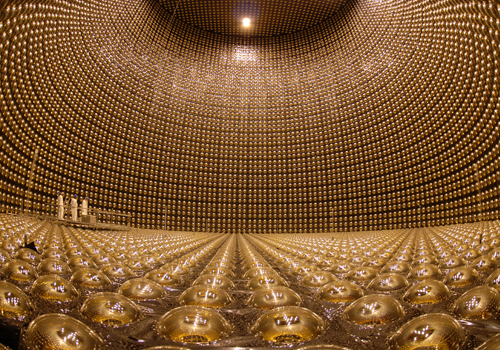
[[85, 206], [74, 208], [60, 206]]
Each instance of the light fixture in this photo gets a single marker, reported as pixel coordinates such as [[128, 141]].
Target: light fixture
[[246, 22]]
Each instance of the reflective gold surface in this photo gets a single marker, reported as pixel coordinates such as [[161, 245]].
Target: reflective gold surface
[[205, 296], [491, 344], [142, 289], [110, 309], [361, 274], [494, 279], [14, 303], [193, 324], [53, 266], [163, 278], [461, 276], [388, 282], [432, 331], [214, 281], [117, 272], [266, 281], [340, 292], [427, 292], [373, 310], [400, 267], [272, 298], [317, 279], [289, 324], [62, 332], [28, 255], [89, 278], [19, 271], [475, 307], [322, 347], [54, 288], [481, 302], [425, 271]]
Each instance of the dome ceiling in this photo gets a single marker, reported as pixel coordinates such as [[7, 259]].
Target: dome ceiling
[[268, 17]]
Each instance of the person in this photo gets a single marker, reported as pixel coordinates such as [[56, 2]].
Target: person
[[60, 206], [74, 208], [85, 206]]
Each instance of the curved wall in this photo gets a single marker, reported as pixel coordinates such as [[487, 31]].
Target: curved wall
[[376, 118]]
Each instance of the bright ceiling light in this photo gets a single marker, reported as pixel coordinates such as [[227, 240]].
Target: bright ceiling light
[[246, 22]]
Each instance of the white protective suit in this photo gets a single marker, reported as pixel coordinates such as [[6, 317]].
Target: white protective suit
[[74, 209], [85, 207], [60, 207]]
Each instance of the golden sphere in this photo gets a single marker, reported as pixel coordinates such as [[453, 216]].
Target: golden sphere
[[19, 271], [479, 303], [272, 298], [28, 255], [205, 296], [461, 276], [403, 257], [266, 281], [427, 292], [483, 264], [54, 288], [303, 270], [470, 254], [89, 278], [425, 271], [451, 262], [175, 269], [163, 278], [214, 281], [103, 259], [219, 271], [317, 279], [387, 282], [53, 266], [400, 267], [75, 251], [340, 292], [4, 257], [341, 268], [375, 263], [374, 309], [142, 289], [289, 324], [79, 261], [62, 332], [432, 331], [326, 262], [361, 274], [250, 264], [14, 303], [137, 265], [110, 309], [426, 259], [193, 324], [494, 280], [258, 271], [10, 246], [54, 253], [116, 272]]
